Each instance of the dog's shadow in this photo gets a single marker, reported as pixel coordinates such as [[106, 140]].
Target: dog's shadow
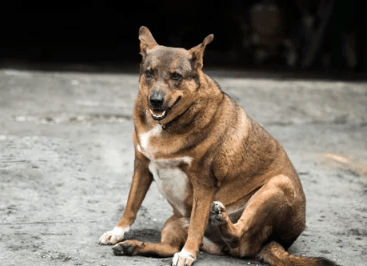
[[145, 235]]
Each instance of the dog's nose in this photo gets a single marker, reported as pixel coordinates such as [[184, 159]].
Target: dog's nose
[[157, 99]]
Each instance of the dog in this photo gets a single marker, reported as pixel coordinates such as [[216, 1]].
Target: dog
[[231, 185]]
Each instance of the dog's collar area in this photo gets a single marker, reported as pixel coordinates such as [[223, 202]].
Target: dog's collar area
[[176, 118]]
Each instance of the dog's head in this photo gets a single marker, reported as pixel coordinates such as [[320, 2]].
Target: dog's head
[[169, 77]]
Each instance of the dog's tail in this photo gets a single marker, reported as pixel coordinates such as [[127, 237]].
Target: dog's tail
[[276, 255]]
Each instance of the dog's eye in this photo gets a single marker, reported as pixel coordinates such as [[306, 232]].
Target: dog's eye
[[176, 76], [149, 73]]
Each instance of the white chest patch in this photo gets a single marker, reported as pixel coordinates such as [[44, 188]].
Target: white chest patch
[[172, 182], [145, 148]]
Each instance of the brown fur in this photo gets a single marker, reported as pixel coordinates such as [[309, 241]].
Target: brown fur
[[242, 191]]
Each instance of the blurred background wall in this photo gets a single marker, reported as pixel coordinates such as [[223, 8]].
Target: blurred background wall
[[312, 35]]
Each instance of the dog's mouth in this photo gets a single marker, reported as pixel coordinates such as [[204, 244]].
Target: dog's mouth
[[160, 115]]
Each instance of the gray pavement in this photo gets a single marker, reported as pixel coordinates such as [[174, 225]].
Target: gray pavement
[[66, 161]]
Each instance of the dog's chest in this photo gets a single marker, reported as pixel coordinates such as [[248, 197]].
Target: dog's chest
[[172, 182]]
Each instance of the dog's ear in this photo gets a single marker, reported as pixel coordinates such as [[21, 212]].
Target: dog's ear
[[197, 52], [146, 40]]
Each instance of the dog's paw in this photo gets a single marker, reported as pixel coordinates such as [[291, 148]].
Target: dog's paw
[[217, 212], [127, 247], [183, 258], [112, 237]]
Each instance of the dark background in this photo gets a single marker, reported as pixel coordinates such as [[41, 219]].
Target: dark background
[[323, 36]]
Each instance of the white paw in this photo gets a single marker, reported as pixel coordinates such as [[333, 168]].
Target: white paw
[[183, 258], [114, 236]]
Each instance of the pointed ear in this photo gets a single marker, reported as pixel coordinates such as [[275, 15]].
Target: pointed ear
[[147, 41], [197, 52]]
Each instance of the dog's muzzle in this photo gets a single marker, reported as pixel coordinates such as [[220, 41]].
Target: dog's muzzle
[[165, 112], [157, 100]]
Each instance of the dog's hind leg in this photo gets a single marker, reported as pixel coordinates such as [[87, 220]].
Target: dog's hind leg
[[275, 211], [173, 237]]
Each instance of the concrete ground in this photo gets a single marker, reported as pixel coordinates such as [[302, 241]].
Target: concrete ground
[[66, 161]]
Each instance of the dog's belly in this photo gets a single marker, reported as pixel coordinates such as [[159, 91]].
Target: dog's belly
[[172, 183]]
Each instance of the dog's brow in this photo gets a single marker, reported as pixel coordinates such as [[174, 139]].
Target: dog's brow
[[168, 61], [180, 69], [180, 65], [150, 64]]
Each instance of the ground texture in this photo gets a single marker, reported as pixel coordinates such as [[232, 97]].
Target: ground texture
[[66, 161]]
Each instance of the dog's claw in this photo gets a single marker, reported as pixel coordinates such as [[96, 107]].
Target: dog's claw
[[216, 216], [118, 250]]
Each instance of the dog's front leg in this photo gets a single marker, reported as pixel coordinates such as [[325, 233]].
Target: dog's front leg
[[141, 182], [202, 197]]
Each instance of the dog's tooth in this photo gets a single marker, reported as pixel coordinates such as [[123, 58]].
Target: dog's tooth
[[157, 116]]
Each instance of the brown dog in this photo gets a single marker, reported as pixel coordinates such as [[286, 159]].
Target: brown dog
[[231, 185]]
